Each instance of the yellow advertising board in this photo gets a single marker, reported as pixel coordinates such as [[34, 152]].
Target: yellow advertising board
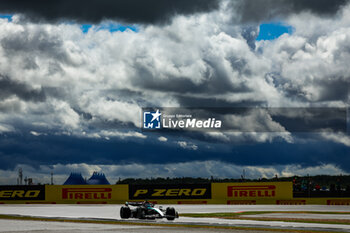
[[251, 193], [87, 194]]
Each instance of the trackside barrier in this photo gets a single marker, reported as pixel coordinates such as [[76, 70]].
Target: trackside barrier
[[278, 193], [251, 193], [22, 193], [64, 194], [87, 194]]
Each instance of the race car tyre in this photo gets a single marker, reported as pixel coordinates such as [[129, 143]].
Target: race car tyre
[[141, 214], [170, 213], [125, 212]]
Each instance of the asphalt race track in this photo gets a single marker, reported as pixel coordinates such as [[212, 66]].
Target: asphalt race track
[[57, 227], [111, 213]]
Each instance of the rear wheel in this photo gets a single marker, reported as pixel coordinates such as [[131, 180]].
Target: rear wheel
[[125, 212], [170, 213]]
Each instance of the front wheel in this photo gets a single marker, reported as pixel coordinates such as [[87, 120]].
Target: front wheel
[[170, 213]]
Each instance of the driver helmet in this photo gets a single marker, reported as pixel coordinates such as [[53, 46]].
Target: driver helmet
[[147, 204]]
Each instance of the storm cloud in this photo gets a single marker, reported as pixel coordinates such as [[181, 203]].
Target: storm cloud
[[23, 91], [99, 81], [265, 10], [161, 11], [29, 149], [93, 11]]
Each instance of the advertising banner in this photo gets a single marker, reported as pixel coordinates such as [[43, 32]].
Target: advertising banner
[[22, 192], [253, 191], [87, 194], [170, 191]]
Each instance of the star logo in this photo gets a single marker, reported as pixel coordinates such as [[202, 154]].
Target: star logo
[[151, 119], [156, 115]]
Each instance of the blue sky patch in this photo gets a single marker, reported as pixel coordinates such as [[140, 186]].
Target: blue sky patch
[[111, 27], [6, 16], [85, 27], [273, 30]]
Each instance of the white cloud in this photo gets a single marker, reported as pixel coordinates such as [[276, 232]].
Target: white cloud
[[100, 78], [162, 139], [123, 134], [242, 137], [325, 169], [204, 169], [6, 128], [186, 145], [36, 133], [337, 137]]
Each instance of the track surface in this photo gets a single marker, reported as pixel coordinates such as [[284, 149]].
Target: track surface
[[300, 216], [111, 212], [15, 226]]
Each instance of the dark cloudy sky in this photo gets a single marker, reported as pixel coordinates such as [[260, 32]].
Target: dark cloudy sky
[[71, 100]]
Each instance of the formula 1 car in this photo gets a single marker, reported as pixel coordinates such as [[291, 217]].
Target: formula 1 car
[[146, 210]]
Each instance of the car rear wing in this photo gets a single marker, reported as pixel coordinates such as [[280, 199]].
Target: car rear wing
[[134, 203]]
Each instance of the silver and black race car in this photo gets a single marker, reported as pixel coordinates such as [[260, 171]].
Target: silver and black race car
[[146, 210]]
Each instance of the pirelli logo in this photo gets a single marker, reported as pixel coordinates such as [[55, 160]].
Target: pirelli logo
[[261, 191], [241, 202], [23, 192], [338, 202], [185, 191], [86, 193], [291, 202]]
